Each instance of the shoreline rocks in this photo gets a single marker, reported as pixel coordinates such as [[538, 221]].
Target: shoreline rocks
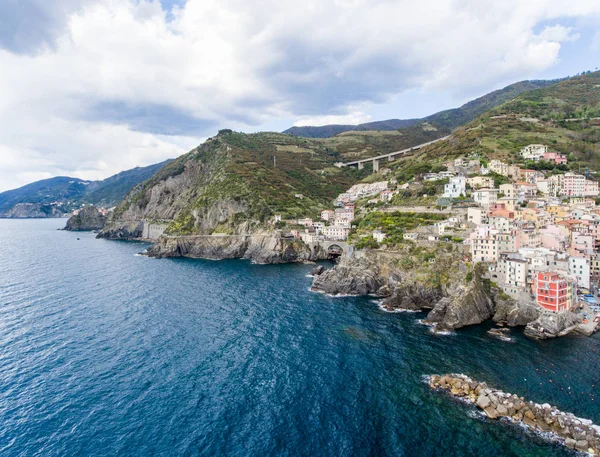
[[573, 432], [267, 248], [452, 305]]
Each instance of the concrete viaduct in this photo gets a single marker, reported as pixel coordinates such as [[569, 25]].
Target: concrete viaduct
[[390, 157]]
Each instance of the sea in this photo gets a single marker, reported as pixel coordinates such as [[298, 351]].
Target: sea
[[105, 352]]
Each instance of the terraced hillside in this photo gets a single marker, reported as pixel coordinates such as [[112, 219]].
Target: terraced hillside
[[565, 116], [234, 178]]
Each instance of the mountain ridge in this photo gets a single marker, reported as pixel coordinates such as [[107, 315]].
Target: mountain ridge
[[446, 119], [59, 195]]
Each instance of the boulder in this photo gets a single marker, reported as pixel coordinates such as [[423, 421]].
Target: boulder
[[483, 401], [316, 271]]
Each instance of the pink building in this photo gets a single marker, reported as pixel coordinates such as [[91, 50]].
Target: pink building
[[555, 157], [573, 184]]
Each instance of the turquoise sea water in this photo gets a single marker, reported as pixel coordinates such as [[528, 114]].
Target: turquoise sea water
[[106, 353]]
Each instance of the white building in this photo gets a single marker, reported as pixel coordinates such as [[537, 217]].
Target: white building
[[475, 215], [580, 268], [486, 197], [477, 182], [591, 188], [327, 215], [512, 273], [483, 244], [457, 187], [498, 167], [335, 232], [534, 152]]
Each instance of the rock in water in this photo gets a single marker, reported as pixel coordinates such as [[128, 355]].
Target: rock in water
[[514, 313], [573, 432], [552, 325], [316, 271], [350, 277], [88, 218]]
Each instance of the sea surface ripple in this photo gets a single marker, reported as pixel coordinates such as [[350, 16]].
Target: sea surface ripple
[[105, 353]]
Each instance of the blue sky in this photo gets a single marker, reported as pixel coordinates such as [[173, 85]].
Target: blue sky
[[92, 87]]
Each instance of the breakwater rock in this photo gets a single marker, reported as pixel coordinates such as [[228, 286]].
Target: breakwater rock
[[575, 433]]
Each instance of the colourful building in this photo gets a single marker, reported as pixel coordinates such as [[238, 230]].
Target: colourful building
[[553, 292]]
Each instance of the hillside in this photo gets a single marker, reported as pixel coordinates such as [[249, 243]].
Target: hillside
[[57, 196], [444, 121], [235, 182], [564, 116]]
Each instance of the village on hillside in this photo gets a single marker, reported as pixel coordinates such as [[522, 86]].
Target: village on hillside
[[538, 231]]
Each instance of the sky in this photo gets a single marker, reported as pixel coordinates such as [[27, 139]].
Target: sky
[[89, 88]]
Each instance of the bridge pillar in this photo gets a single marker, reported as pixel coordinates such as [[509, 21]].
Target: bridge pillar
[[361, 165], [391, 158], [375, 166]]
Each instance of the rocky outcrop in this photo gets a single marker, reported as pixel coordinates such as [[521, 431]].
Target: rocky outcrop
[[32, 211], [316, 271], [552, 325], [571, 431], [352, 276], [514, 313], [411, 297], [129, 230], [88, 219], [469, 306], [262, 248], [452, 305]]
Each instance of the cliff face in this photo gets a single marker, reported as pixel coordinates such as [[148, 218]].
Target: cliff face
[[453, 302], [262, 248], [88, 219], [233, 184], [32, 211]]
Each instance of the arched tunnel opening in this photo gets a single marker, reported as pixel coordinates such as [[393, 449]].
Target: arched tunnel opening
[[334, 252]]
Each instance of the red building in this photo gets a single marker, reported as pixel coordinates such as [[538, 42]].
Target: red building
[[553, 292]]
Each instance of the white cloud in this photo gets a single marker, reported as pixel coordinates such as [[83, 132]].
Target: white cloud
[[81, 106], [355, 117]]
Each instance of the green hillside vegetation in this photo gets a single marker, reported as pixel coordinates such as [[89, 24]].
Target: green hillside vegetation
[[354, 145], [266, 173], [393, 224], [561, 116], [66, 194], [444, 121], [45, 192]]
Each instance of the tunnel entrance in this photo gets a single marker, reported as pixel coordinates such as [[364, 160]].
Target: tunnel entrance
[[334, 252]]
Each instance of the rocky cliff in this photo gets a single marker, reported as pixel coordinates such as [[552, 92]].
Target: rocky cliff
[[454, 299], [88, 219], [262, 248], [32, 211], [551, 325], [232, 185]]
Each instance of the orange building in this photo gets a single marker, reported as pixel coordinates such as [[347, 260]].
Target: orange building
[[553, 292]]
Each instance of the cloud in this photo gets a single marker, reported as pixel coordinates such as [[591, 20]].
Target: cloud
[[98, 85], [29, 25], [355, 117]]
